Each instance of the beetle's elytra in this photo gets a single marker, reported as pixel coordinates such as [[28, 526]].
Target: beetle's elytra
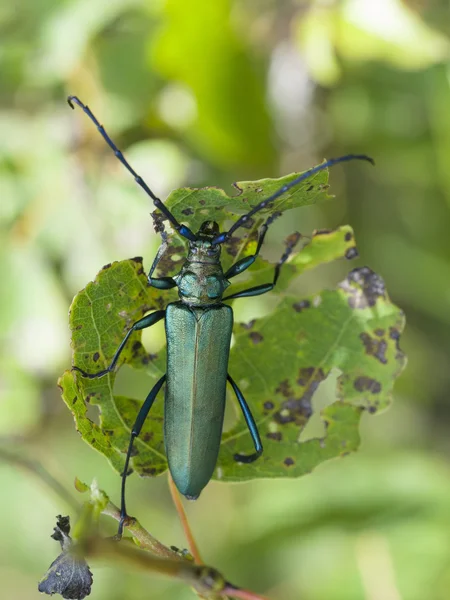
[[198, 331]]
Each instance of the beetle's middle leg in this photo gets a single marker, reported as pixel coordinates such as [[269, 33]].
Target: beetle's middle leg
[[142, 415], [143, 323], [265, 287], [247, 458]]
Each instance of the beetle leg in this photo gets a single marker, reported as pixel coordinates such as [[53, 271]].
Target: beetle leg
[[244, 458], [243, 264], [146, 321], [142, 415], [257, 290]]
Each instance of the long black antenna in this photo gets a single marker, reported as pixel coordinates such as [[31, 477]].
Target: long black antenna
[[223, 237], [182, 229]]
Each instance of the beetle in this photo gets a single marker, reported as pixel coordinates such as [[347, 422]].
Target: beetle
[[198, 331]]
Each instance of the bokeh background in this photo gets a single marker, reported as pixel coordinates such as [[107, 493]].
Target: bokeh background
[[207, 93]]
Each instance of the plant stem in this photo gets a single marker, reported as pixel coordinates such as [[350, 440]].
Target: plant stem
[[193, 548], [145, 540]]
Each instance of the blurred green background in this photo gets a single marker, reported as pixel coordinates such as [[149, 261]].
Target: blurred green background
[[207, 93]]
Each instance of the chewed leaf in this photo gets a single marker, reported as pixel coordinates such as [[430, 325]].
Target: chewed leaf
[[281, 360], [193, 206], [68, 575]]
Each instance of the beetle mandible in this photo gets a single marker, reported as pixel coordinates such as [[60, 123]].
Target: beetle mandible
[[198, 332]]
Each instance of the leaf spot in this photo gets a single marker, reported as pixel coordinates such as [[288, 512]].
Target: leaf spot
[[351, 253], [366, 384], [277, 436], [256, 337], [374, 347], [302, 305]]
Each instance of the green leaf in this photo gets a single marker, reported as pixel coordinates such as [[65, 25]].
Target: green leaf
[[278, 361]]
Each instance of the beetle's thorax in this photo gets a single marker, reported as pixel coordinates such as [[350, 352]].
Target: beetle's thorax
[[201, 281]]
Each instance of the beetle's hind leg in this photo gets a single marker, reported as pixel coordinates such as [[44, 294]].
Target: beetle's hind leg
[[247, 458], [142, 415], [146, 321]]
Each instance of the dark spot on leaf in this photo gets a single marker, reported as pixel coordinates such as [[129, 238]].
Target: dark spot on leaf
[[106, 267], [322, 232], [394, 333], [187, 211], [89, 396], [285, 389], [366, 384], [274, 435], [348, 236], [351, 253], [134, 451], [363, 287], [146, 436], [137, 259], [289, 461], [140, 271], [309, 188], [379, 332], [78, 327], [305, 375], [294, 410], [145, 360], [268, 405], [149, 471], [302, 305], [136, 347], [256, 337], [249, 325], [298, 409], [233, 246], [128, 472], [374, 347], [202, 202], [372, 409], [75, 399], [96, 356], [93, 441], [248, 224]]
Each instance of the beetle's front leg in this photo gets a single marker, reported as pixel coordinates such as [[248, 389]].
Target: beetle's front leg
[[143, 323], [244, 458], [142, 415], [257, 290]]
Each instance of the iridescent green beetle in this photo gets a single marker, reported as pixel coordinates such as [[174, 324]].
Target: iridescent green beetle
[[198, 331]]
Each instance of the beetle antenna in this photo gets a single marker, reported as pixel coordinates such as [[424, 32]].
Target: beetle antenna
[[223, 237], [181, 229]]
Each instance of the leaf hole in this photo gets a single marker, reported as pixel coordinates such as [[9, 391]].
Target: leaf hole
[[324, 396]]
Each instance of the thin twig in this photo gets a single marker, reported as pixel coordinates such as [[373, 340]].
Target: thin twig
[[193, 548], [145, 540]]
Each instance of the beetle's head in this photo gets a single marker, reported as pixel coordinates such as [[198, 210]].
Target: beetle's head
[[203, 250]]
